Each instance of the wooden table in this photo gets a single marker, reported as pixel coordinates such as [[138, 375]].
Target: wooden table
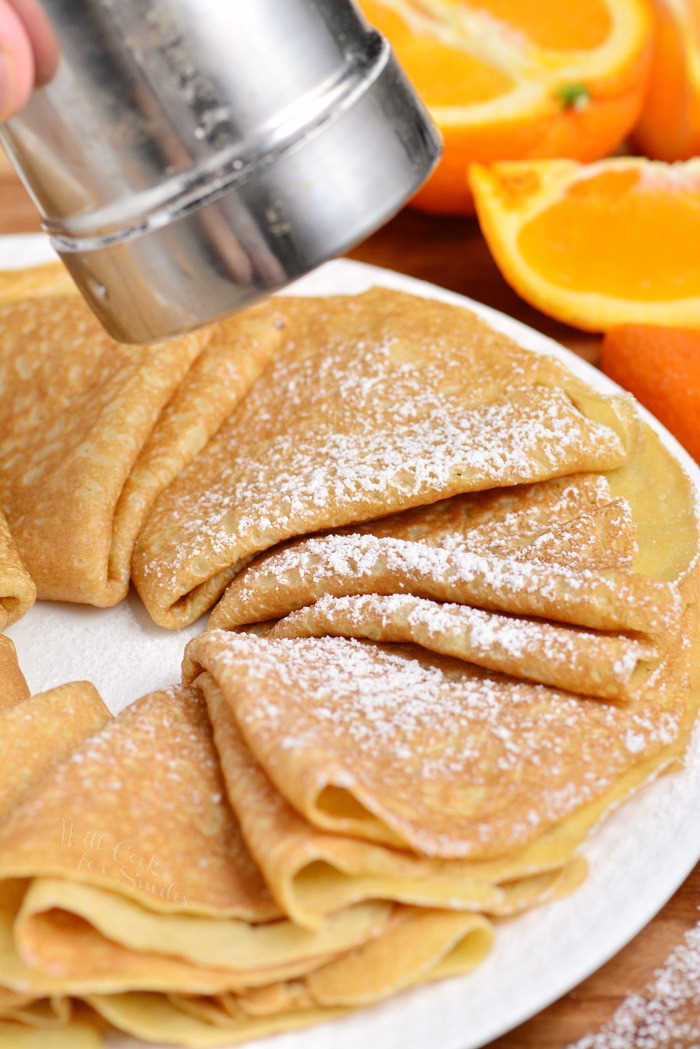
[[450, 252]]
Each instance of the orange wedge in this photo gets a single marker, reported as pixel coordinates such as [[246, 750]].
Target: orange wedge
[[661, 367], [669, 125], [598, 245], [511, 79]]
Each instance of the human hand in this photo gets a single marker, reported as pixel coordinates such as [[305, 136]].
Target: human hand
[[28, 52]]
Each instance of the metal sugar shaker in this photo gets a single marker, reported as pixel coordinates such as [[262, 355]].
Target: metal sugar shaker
[[192, 155]]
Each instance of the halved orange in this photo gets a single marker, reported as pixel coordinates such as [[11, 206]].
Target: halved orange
[[669, 124], [510, 79], [598, 245]]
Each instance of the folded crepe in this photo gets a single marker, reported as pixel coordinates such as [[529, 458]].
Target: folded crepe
[[107, 436], [409, 749], [175, 874], [312, 873], [105, 920], [572, 523], [76, 1035], [347, 565], [309, 824], [591, 663], [150, 885], [156, 1018], [238, 350], [34, 733], [536, 581], [418, 945], [76, 408], [573, 520], [491, 549], [376, 403], [420, 942], [13, 687], [42, 729], [50, 278], [17, 589]]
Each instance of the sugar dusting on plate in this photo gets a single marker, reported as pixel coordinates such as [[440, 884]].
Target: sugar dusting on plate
[[666, 1015]]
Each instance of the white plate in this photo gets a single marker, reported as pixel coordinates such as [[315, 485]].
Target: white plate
[[638, 857]]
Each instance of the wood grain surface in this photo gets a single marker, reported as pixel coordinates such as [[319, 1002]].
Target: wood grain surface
[[450, 252]]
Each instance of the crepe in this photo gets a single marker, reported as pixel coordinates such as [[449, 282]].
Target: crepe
[[164, 738], [89, 941], [238, 350], [500, 578], [342, 565], [69, 935], [573, 520], [573, 524], [137, 889], [33, 733], [494, 551], [13, 687], [50, 278], [446, 405], [417, 945], [76, 408], [17, 589], [420, 943], [45, 1013], [74, 1036], [312, 873], [311, 823], [42, 729], [564, 549], [155, 1018], [393, 745], [592, 663]]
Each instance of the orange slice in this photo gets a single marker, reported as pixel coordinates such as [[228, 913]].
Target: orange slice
[[661, 367], [598, 245], [669, 125], [509, 79]]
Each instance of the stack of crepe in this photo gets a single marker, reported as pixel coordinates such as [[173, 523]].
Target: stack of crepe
[[91, 430], [303, 827], [458, 627]]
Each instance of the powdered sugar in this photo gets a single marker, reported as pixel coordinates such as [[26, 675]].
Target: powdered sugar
[[434, 739], [355, 564], [402, 466], [666, 1015], [446, 406], [586, 662]]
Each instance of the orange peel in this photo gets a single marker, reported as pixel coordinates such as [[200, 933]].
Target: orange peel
[[661, 367], [598, 245], [510, 79], [669, 124]]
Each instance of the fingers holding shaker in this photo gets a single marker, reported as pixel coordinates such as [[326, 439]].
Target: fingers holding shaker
[[28, 52]]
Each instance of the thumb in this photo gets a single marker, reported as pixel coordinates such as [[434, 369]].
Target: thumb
[[16, 62]]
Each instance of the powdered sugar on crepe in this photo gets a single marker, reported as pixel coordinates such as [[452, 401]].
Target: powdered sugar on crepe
[[427, 741], [581, 661], [346, 564], [375, 405]]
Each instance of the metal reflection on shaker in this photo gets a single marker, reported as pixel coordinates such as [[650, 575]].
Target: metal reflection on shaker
[[189, 156]]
